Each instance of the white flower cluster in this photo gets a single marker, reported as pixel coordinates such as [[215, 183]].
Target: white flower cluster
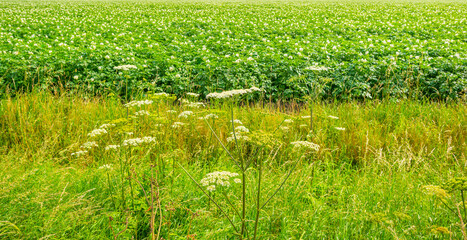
[[192, 94], [219, 179], [138, 103], [171, 111], [185, 114], [161, 94], [231, 93], [211, 116], [237, 121], [242, 129], [107, 125], [106, 166], [305, 117], [89, 145], [125, 67], [306, 145], [97, 132], [340, 128], [177, 124], [79, 153], [142, 112], [288, 121], [195, 104], [239, 138], [109, 147], [137, 141], [332, 117]]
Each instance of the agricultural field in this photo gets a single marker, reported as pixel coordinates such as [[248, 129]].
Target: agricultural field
[[291, 49], [233, 119]]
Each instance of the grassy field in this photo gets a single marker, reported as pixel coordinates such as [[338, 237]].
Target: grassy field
[[372, 177]]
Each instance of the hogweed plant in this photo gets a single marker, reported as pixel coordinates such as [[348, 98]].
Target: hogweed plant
[[249, 147]]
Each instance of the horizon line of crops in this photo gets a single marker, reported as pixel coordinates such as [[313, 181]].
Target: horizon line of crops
[[351, 50]]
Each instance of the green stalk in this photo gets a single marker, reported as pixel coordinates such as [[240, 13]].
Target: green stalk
[[258, 196], [463, 203]]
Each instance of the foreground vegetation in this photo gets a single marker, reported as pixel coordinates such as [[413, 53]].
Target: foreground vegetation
[[353, 49], [380, 171]]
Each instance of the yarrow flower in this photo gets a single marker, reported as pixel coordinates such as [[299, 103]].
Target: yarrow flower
[[79, 153], [171, 111], [137, 141], [237, 121], [107, 125], [125, 67], [232, 93], [89, 145], [305, 117], [142, 112], [177, 124], [185, 114], [211, 116], [305, 145], [106, 166], [195, 104], [97, 132], [138, 103], [219, 179], [239, 138], [192, 94], [109, 147], [288, 121], [242, 129], [332, 117], [340, 128]]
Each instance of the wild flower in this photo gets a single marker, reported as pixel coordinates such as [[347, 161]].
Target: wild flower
[[125, 67], [76, 77], [239, 138], [110, 147], [106, 166], [340, 128], [79, 153], [237, 121], [305, 145], [129, 133], [210, 116], [242, 129], [161, 94], [138, 103], [137, 141], [185, 114], [435, 191], [107, 125], [332, 117], [142, 112], [89, 145], [192, 94], [303, 126], [219, 179], [232, 93], [284, 128], [195, 104], [177, 124], [97, 132], [171, 111], [288, 121], [305, 117]]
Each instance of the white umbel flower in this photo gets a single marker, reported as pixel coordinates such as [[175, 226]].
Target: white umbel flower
[[185, 114], [97, 132], [232, 93], [305, 145], [138, 141], [125, 67], [79, 153], [89, 145], [138, 103]]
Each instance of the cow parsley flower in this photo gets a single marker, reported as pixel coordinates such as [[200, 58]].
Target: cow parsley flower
[[221, 179], [237, 121], [142, 112], [211, 116], [89, 145], [111, 147], [79, 153], [232, 93], [305, 145], [242, 129], [177, 125], [97, 132], [138, 103], [192, 94], [185, 114], [138, 141]]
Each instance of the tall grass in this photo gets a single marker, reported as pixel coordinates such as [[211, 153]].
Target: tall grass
[[364, 182]]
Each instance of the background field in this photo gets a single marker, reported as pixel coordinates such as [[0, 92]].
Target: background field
[[371, 49]]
